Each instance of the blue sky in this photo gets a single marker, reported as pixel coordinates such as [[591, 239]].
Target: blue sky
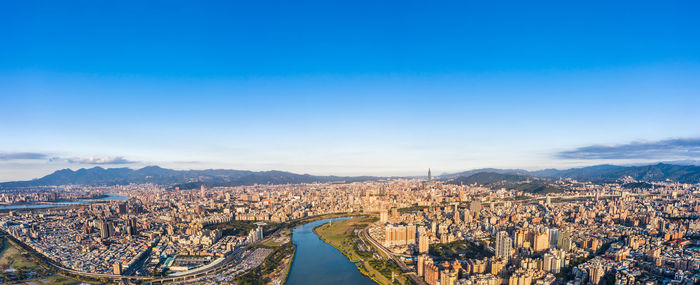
[[346, 87]]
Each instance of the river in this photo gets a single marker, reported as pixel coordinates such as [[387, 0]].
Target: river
[[108, 197], [317, 262]]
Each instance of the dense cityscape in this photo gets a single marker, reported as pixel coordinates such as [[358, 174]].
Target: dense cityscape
[[420, 231], [353, 142]]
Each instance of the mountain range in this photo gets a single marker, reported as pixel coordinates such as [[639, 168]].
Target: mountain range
[[183, 178], [521, 182], [603, 173], [227, 177]]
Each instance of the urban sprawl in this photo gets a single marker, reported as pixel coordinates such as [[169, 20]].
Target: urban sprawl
[[435, 231]]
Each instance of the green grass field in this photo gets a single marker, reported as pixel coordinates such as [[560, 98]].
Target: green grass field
[[341, 235], [458, 249]]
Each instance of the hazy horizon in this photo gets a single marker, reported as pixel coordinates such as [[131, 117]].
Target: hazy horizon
[[417, 173]]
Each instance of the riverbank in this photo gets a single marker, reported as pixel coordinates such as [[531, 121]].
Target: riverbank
[[342, 235], [62, 203], [298, 222], [317, 262], [276, 267], [289, 265], [290, 259]]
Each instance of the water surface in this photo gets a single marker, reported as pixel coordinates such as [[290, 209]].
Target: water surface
[[317, 262], [108, 197]]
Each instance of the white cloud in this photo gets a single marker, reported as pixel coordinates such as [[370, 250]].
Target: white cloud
[[100, 160]]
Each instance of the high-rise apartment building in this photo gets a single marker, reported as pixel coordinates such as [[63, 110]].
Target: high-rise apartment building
[[384, 216], [399, 235], [564, 240], [540, 241], [448, 277], [503, 244], [106, 229], [411, 234], [475, 206], [595, 273], [423, 243], [420, 264]]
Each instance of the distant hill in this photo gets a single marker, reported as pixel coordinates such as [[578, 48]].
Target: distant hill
[[605, 173], [525, 183], [183, 178], [609, 173], [635, 185], [487, 178], [482, 170], [228, 177]]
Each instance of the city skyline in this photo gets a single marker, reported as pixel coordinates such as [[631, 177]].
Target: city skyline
[[322, 88], [350, 142]]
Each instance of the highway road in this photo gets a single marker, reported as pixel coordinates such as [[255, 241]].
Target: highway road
[[193, 275], [407, 271]]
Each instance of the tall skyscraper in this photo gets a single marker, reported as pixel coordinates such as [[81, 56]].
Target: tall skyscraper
[[106, 229], [504, 244], [430, 180], [259, 232]]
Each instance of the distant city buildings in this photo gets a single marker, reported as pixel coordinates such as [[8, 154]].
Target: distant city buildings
[[445, 233]]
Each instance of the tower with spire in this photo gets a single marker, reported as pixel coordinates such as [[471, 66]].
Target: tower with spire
[[430, 180]]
